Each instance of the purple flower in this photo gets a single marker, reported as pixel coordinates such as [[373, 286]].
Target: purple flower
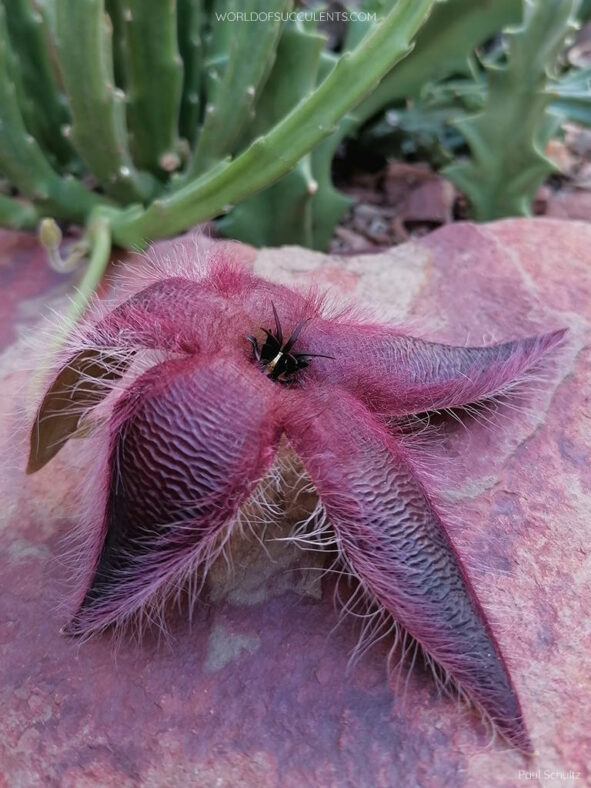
[[244, 365]]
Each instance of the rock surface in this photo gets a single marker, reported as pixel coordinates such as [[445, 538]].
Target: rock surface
[[256, 691]]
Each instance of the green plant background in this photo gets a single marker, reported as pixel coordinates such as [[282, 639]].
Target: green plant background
[[138, 119]]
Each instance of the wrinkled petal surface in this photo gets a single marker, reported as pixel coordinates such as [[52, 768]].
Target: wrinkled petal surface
[[395, 542], [403, 375], [190, 440]]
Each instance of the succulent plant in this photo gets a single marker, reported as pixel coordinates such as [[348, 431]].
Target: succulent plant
[[518, 89], [572, 93], [508, 136], [138, 120]]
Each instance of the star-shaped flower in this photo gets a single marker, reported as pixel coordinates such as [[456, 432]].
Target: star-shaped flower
[[191, 438]]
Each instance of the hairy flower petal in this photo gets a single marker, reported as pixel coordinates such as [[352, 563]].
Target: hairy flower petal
[[403, 375], [190, 440], [395, 542]]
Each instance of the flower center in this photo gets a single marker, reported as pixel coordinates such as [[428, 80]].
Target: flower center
[[276, 357]]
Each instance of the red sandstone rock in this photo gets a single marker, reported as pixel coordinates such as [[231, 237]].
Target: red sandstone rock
[[570, 204], [256, 692]]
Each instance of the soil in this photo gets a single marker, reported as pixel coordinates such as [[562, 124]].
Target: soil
[[401, 200]]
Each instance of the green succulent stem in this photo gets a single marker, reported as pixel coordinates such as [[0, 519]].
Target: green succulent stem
[[99, 131], [154, 74], [190, 21], [283, 212], [508, 136], [45, 109], [98, 237], [444, 46], [328, 205], [573, 96], [272, 155], [238, 84], [17, 215], [115, 10], [22, 160]]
